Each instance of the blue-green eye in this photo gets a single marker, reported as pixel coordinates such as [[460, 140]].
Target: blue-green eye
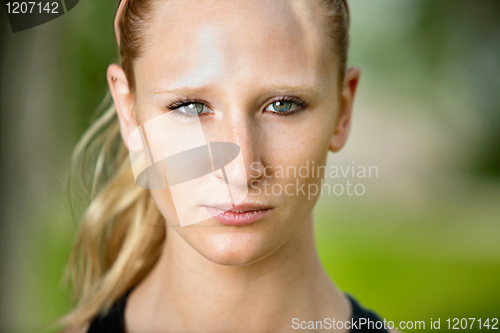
[[193, 109], [282, 106]]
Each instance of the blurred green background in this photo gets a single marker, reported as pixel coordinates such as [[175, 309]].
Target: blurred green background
[[424, 240]]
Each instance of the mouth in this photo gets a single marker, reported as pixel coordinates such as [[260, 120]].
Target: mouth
[[242, 214]]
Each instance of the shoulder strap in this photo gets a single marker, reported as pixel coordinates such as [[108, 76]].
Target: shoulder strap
[[364, 320], [113, 321]]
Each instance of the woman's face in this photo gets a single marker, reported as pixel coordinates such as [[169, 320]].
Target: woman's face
[[262, 75]]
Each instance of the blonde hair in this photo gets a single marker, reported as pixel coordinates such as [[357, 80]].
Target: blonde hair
[[121, 234]]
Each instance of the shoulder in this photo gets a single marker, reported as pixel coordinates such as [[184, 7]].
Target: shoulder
[[79, 329], [394, 331], [359, 312]]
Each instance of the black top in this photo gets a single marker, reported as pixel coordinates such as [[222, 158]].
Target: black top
[[363, 320]]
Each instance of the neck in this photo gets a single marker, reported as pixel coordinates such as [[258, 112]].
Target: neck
[[187, 292]]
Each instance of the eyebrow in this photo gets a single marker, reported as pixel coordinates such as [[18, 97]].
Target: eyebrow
[[179, 91], [313, 88], [308, 89]]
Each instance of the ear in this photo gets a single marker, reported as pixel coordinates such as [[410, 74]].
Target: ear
[[341, 130], [123, 99]]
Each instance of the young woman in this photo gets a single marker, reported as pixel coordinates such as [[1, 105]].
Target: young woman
[[267, 75]]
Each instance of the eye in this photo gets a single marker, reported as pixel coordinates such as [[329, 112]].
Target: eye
[[282, 106], [189, 108], [286, 105], [193, 109]]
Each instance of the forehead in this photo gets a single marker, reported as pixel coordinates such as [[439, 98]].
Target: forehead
[[198, 42]]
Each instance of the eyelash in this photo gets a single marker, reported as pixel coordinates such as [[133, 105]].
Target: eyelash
[[178, 103], [301, 105]]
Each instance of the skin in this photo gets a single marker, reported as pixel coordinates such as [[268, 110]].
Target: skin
[[238, 57]]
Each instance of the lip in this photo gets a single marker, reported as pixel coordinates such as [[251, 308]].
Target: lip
[[242, 214]]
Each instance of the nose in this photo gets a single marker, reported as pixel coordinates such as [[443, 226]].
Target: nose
[[245, 155]]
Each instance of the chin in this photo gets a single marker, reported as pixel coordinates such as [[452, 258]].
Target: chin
[[235, 248]]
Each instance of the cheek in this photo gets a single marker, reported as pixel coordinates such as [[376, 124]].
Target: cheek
[[294, 151], [165, 204], [294, 143]]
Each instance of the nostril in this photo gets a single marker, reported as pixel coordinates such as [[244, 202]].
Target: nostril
[[257, 171]]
